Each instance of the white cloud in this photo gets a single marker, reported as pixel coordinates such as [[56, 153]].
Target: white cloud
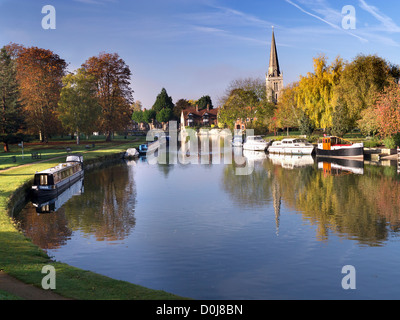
[[387, 22]]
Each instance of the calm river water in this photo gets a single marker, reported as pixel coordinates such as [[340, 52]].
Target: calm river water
[[285, 231]]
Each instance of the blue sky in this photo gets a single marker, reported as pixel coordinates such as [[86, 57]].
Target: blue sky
[[197, 47]]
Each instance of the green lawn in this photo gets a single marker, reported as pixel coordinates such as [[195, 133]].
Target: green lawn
[[20, 258]]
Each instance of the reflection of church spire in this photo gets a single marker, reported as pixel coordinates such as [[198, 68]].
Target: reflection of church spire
[[276, 194]]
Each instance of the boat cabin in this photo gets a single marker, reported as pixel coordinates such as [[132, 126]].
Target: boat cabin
[[327, 143]]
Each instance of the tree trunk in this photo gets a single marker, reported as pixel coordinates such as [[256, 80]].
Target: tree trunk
[[6, 147], [108, 138], [78, 137]]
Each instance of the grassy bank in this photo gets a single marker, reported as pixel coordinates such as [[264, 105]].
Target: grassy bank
[[22, 259]]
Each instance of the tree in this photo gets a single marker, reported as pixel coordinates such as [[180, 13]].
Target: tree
[[164, 115], [39, 74], [317, 91], [204, 103], [363, 80], [388, 111], [112, 76], [137, 116], [241, 104], [79, 109], [180, 105], [306, 127], [11, 113], [368, 123], [149, 116], [256, 85], [287, 112], [341, 123], [163, 101]]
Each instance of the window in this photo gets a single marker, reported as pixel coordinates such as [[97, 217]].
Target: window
[[43, 180]]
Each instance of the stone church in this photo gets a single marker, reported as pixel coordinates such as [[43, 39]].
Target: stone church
[[274, 76]]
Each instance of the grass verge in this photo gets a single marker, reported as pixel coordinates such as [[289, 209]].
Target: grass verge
[[22, 259]]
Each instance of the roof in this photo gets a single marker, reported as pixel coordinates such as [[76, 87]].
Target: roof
[[199, 113], [274, 69]]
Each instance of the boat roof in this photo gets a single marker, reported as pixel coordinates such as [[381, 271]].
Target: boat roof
[[57, 168]]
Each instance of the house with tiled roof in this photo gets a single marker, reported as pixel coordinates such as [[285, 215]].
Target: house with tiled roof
[[193, 117]]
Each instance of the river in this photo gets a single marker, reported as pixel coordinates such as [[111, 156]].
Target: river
[[283, 231]]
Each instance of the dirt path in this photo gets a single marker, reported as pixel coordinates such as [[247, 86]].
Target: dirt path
[[26, 291]]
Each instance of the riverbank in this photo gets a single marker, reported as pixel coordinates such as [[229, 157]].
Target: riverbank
[[23, 260]]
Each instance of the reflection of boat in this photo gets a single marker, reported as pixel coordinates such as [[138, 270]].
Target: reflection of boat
[[52, 205], [52, 182], [291, 161], [254, 155], [339, 166], [237, 141], [291, 146], [255, 143], [143, 149], [335, 147]]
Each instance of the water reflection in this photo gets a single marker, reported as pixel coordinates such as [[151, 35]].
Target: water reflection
[[105, 210], [342, 197]]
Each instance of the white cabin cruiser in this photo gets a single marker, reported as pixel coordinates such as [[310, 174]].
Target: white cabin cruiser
[[255, 143], [292, 146]]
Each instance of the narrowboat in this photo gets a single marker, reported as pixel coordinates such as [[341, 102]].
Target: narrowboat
[[335, 147], [292, 147], [53, 181]]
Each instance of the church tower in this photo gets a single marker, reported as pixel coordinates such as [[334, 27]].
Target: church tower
[[274, 78]]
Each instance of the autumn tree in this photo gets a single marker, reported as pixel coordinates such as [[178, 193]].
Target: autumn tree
[[317, 91], [287, 113], [112, 76], [11, 113], [388, 111], [363, 80], [39, 74], [79, 109]]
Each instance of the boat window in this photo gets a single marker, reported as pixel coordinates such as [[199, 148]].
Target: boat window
[[43, 180]]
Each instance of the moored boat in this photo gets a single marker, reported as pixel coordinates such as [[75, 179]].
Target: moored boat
[[292, 146], [255, 143], [53, 181], [335, 147]]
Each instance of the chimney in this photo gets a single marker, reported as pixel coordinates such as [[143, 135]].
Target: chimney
[[208, 107], [197, 108]]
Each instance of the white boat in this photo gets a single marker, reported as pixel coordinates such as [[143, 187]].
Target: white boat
[[255, 143], [237, 141], [292, 146]]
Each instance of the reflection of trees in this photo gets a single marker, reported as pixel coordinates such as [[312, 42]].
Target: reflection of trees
[[353, 206], [252, 190], [48, 231], [106, 209], [359, 207]]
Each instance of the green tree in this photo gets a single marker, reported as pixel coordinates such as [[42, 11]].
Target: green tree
[[11, 113], [306, 127], [79, 110], [341, 123], [163, 101], [149, 116], [164, 115], [137, 116], [205, 102], [363, 80]]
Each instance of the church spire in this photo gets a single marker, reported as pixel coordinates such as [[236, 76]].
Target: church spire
[[274, 77], [273, 70]]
